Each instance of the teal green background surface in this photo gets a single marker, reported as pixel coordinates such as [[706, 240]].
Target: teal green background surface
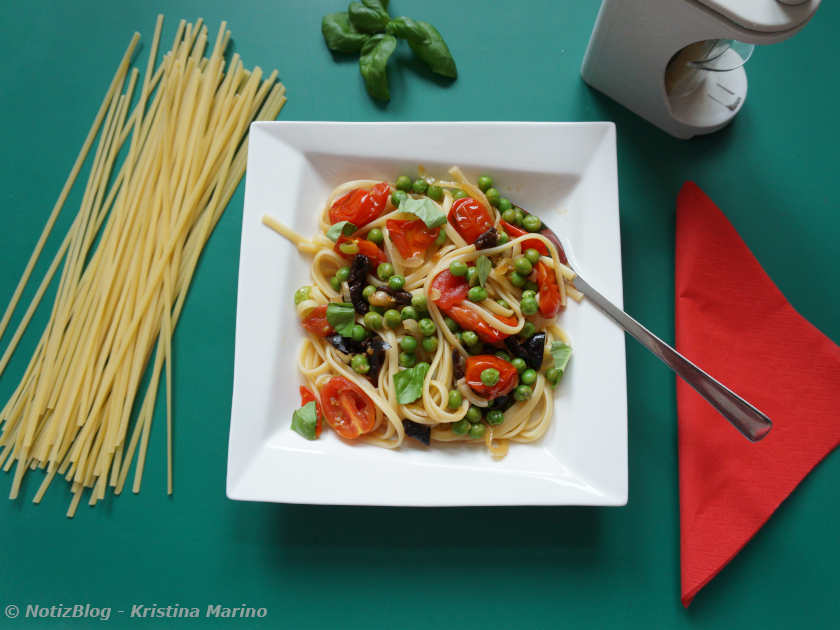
[[773, 172]]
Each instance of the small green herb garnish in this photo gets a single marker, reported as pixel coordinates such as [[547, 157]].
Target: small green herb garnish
[[305, 420], [342, 317], [425, 209], [341, 228]]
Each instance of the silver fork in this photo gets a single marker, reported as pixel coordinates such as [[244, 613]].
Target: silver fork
[[751, 422]]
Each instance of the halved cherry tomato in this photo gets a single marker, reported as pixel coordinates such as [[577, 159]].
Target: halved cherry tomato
[[306, 397], [516, 232], [360, 206], [450, 290], [411, 238], [316, 322], [347, 408], [470, 219], [507, 375], [366, 247], [549, 293], [470, 320]]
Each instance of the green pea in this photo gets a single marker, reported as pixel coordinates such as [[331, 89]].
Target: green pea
[[477, 294], [358, 333], [420, 186], [504, 356], [460, 337], [455, 399], [407, 359], [522, 393], [397, 197], [384, 270], [368, 291], [404, 183], [441, 237], [528, 329], [373, 320], [459, 194], [530, 285], [392, 318], [360, 364], [516, 279], [408, 344], [528, 377], [435, 193], [553, 376], [302, 294], [532, 223], [429, 344], [485, 182], [376, 236], [477, 431], [518, 216], [418, 301], [469, 338], [522, 265], [505, 204], [396, 282], [493, 197], [532, 255], [451, 324], [495, 416], [408, 312], [528, 306], [349, 247], [502, 302], [427, 327], [461, 427], [490, 376], [519, 364], [473, 415], [529, 293], [472, 276], [335, 284], [342, 274], [509, 215], [502, 238], [458, 268]]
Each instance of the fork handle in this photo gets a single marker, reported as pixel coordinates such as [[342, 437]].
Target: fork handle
[[751, 422]]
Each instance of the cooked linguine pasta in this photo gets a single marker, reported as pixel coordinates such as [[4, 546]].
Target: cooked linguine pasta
[[430, 313]]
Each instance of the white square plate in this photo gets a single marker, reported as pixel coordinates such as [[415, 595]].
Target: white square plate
[[564, 172]]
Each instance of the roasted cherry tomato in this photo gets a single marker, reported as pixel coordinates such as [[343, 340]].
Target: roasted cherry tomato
[[411, 238], [470, 219], [307, 396], [470, 320], [507, 375], [549, 294], [364, 246], [347, 408], [360, 206], [516, 232], [316, 322], [448, 290]]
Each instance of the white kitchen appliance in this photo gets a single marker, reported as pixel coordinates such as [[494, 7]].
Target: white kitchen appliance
[[678, 63]]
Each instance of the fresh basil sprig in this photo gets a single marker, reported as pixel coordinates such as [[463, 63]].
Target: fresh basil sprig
[[341, 316], [367, 28], [409, 383], [305, 420], [425, 209]]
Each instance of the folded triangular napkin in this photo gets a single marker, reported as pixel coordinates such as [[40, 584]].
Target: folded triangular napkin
[[735, 323]]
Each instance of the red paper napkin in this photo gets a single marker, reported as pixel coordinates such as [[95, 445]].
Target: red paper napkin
[[735, 323]]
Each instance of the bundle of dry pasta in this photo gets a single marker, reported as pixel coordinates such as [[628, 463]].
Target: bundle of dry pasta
[[162, 173]]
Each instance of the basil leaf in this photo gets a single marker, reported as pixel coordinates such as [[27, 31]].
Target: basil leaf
[[426, 42], [425, 209], [337, 229], [341, 316], [373, 64], [484, 267], [368, 19], [340, 34], [409, 383], [561, 353], [376, 4], [305, 420]]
